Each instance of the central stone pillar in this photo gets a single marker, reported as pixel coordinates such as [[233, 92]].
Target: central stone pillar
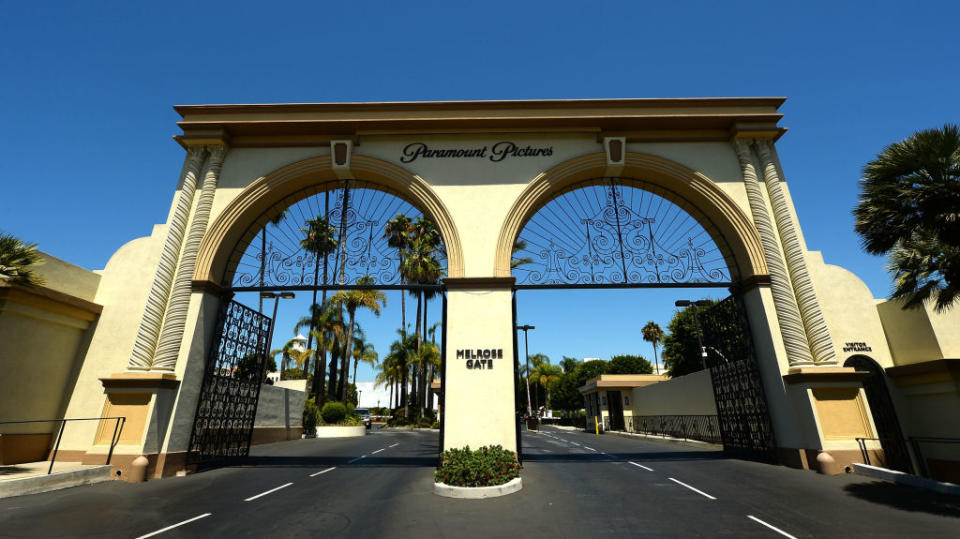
[[479, 379]]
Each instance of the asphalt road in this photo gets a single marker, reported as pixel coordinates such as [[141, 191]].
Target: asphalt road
[[574, 485]]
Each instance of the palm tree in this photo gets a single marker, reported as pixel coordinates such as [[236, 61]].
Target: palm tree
[[653, 334], [518, 246], [285, 357], [397, 232], [420, 266], [16, 260], [426, 358], [363, 352], [351, 300], [547, 374], [301, 357], [319, 239], [909, 208]]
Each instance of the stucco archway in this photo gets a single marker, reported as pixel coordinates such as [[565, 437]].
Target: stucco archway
[[246, 213], [730, 228]]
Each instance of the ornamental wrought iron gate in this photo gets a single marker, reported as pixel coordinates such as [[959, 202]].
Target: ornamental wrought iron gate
[[745, 425], [234, 370]]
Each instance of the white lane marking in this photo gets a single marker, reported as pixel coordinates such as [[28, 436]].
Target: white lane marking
[[641, 466], [168, 528], [322, 471], [547, 450], [251, 498], [702, 493], [377, 451], [356, 459], [590, 448], [394, 445], [774, 528]]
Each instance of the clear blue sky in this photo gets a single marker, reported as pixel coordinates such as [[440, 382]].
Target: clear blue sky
[[88, 163]]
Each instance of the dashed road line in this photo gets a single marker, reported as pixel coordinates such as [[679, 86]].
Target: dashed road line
[[641, 466], [378, 450], [323, 471], [698, 491], [774, 528], [356, 459], [251, 498], [590, 448], [394, 445], [168, 528]]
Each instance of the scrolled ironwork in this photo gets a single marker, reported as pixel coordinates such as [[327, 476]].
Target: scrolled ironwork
[[615, 231], [233, 374], [273, 256]]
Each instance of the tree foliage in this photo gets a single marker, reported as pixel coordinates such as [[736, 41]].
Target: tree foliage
[[17, 260], [909, 209], [681, 349], [629, 364]]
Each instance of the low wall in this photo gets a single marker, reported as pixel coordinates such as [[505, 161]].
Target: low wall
[[280, 407], [684, 395]]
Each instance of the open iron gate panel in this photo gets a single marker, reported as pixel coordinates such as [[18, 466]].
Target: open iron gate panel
[[227, 404]]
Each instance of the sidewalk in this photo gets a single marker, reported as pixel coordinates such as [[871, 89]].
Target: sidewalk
[[32, 477]]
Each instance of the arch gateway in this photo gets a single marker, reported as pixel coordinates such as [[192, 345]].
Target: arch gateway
[[485, 173]]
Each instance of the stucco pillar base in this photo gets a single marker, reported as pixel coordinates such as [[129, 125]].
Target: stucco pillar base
[[146, 400], [479, 389], [834, 399]]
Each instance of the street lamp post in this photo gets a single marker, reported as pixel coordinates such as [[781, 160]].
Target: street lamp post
[[359, 393], [273, 321], [526, 347], [696, 323]]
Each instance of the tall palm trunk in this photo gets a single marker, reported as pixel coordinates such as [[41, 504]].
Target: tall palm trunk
[[320, 373], [347, 354], [417, 381], [314, 312]]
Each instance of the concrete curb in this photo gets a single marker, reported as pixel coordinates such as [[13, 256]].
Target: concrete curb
[[478, 493], [906, 479], [56, 481], [336, 431]]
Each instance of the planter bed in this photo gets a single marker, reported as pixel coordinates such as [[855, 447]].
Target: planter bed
[[478, 493]]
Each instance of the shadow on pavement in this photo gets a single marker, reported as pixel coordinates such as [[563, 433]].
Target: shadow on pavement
[[906, 498], [640, 457], [306, 461]]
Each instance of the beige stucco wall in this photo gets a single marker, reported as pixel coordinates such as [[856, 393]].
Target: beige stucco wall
[[917, 335], [691, 394], [40, 352], [68, 278], [479, 405], [125, 283], [849, 310]]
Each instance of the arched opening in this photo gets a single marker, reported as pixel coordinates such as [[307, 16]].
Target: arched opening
[[303, 249], [653, 243], [884, 414]]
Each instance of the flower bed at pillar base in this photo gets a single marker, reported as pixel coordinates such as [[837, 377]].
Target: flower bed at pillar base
[[486, 467]]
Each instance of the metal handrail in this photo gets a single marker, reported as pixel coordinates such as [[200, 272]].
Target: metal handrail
[[117, 429]]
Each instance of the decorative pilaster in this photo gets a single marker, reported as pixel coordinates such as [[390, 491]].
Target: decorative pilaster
[[145, 345], [788, 314], [817, 333], [176, 317]]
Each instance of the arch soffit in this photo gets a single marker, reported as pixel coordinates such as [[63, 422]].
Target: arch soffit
[[249, 207], [725, 217]]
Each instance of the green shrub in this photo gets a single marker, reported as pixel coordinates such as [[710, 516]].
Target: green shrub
[[333, 412], [310, 417], [435, 425], [424, 423], [485, 467]]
